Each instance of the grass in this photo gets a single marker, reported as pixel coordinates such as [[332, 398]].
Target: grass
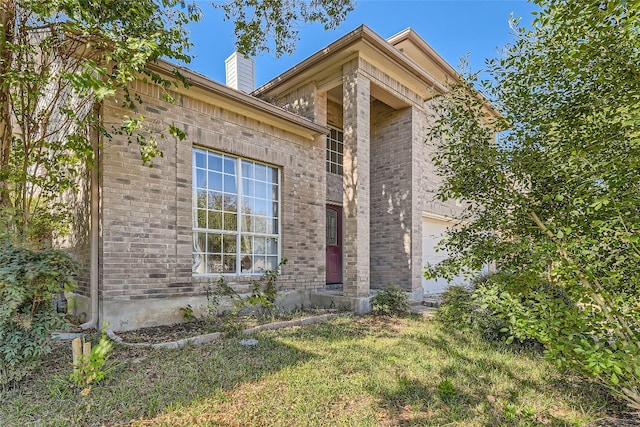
[[348, 372]]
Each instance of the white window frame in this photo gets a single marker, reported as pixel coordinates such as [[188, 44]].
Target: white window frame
[[335, 158], [239, 233]]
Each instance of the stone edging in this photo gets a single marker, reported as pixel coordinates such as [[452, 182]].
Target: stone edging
[[207, 338]]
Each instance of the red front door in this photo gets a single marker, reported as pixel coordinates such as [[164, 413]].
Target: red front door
[[334, 244]]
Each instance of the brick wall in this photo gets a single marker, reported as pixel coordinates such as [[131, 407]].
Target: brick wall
[[146, 215], [391, 197]]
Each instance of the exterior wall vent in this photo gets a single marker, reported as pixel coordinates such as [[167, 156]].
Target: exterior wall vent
[[241, 72]]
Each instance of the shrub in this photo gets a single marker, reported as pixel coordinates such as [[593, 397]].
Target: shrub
[[390, 302], [464, 308], [28, 280], [263, 295], [88, 362], [457, 307]]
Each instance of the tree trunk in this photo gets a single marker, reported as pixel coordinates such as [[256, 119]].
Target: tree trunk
[[7, 24]]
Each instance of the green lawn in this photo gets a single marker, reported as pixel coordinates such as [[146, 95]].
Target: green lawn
[[348, 372]]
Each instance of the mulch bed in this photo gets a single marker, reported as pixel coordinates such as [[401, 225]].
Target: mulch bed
[[178, 331], [168, 333]]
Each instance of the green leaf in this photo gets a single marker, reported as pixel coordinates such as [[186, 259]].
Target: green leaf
[[614, 379]]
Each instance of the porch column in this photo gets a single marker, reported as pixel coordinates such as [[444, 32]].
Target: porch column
[[356, 193]]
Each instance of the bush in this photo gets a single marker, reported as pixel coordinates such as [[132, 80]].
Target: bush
[[390, 302], [463, 308], [457, 307], [265, 291], [28, 280]]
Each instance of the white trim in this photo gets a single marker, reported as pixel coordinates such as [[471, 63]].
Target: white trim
[[238, 232], [443, 218]]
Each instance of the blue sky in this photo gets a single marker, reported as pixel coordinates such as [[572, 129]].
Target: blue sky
[[453, 28]]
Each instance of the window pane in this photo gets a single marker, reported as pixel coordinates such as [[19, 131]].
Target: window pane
[[268, 223], [229, 166], [271, 263], [215, 200], [247, 244], [247, 169], [214, 243], [260, 224], [230, 203], [261, 207], [246, 262], [258, 245], [230, 221], [201, 178], [258, 263], [247, 223], [332, 227], [268, 209], [247, 187], [215, 181], [202, 219], [201, 199], [215, 220], [260, 172], [200, 159], [214, 263], [230, 184], [229, 263], [247, 205], [215, 162], [274, 176], [261, 190], [200, 245], [229, 244], [199, 264], [271, 246]]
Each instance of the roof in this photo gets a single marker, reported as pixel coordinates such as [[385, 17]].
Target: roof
[[408, 67], [205, 89]]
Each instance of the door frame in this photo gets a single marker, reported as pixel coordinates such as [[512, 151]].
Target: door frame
[[339, 245]]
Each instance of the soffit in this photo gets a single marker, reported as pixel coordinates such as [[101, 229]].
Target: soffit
[[412, 45]]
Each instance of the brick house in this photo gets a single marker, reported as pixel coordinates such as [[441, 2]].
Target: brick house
[[325, 165]]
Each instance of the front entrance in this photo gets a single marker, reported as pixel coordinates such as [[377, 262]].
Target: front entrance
[[334, 244]]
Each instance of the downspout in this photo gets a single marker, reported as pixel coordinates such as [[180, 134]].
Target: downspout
[[95, 223]]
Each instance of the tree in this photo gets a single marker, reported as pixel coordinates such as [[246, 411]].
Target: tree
[[60, 58], [554, 198], [257, 21]]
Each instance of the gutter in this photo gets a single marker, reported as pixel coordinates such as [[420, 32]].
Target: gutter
[[214, 88], [95, 232], [366, 35]]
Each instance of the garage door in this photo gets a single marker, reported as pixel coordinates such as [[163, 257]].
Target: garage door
[[433, 231]]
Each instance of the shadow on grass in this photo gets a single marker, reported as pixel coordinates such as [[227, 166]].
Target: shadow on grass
[[146, 382], [470, 380], [358, 371]]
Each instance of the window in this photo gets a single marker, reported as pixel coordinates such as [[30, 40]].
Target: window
[[236, 206], [335, 148]]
